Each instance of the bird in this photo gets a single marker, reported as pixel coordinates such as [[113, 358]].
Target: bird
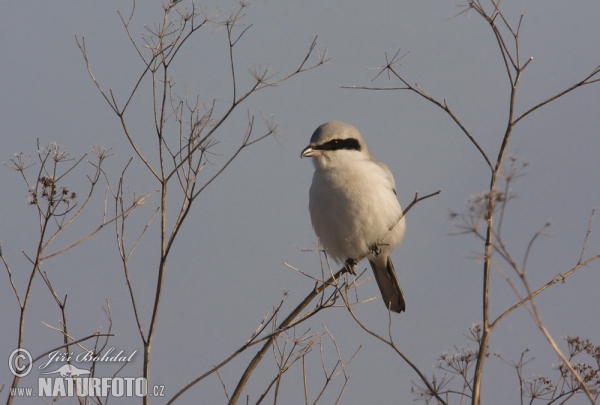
[[353, 205]]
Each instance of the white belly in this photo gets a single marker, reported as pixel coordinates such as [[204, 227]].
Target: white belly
[[353, 209]]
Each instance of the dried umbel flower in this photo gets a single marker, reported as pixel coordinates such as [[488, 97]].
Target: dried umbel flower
[[538, 387], [18, 163], [101, 152], [459, 361]]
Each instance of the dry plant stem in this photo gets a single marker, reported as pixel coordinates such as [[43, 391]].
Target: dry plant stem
[[48, 211], [511, 122], [304, 381], [282, 326], [318, 290], [24, 305], [125, 211], [285, 358], [44, 217], [249, 343], [485, 336], [391, 343], [74, 342], [332, 375], [291, 320], [489, 248], [561, 355], [587, 235], [62, 306], [415, 200], [183, 163], [531, 294], [555, 280], [418, 90], [514, 69], [10, 278], [538, 320]]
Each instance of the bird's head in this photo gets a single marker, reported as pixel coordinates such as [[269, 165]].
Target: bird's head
[[336, 141]]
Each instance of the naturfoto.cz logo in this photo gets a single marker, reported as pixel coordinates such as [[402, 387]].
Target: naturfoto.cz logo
[[69, 380]]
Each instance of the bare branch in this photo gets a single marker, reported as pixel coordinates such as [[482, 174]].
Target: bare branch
[[587, 80], [559, 278], [10, 279], [587, 235]]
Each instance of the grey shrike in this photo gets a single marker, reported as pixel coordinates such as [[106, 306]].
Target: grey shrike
[[353, 205]]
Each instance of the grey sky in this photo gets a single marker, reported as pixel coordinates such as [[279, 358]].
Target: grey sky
[[227, 268]]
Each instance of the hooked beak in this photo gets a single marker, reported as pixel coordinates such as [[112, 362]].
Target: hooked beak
[[308, 152]]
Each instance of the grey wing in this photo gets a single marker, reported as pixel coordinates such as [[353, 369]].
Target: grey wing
[[388, 174]]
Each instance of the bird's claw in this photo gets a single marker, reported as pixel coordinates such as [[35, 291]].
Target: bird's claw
[[375, 249], [349, 265]]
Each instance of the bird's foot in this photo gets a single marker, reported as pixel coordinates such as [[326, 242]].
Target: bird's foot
[[374, 249], [349, 265]]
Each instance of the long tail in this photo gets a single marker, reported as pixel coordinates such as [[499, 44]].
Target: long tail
[[386, 278]]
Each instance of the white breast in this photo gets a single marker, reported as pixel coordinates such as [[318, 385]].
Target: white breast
[[353, 207]]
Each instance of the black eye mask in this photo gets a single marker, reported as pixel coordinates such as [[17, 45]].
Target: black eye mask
[[337, 144]]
